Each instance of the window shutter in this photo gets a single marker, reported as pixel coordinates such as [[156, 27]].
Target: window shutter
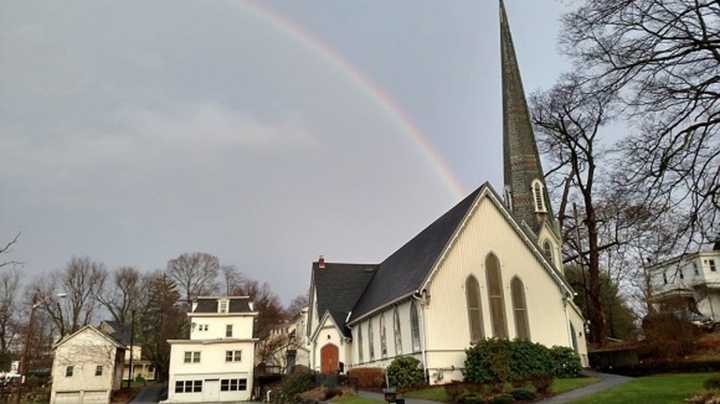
[[496, 296], [474, 307], [522, 327]]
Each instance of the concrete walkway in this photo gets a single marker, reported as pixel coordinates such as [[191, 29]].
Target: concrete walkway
[[148, 395], [379, 396], [606, 381]]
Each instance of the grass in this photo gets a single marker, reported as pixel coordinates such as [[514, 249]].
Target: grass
[[430, 393], [560, 386], [659, 389], [354, 399]]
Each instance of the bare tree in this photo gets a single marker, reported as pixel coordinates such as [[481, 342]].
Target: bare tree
[[9, 311], [231, 278], [195, 274], [296, 305], [267, 304], [80, 281], [662, 58], [568, 122], [122, 294], [6, 249]]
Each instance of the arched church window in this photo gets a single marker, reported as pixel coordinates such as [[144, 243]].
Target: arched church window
[[496, 296], [360, 344], [538, 191], [508, 198], [548, 252], [520, 311], [383, 336], [414, 327], [397, 331], [573, 338], [371, 339], [474, 308]]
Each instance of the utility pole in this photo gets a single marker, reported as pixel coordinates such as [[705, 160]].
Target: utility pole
[[23, 362], [132, 341]]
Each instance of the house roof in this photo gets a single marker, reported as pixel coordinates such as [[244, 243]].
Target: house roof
[[404, 271], [238, 304], [338, 287], [119, 332], [90, 328]]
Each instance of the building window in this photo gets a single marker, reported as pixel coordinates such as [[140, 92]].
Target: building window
[[360, 343], [397, 331], [188, 386], [665, 278], [414, 327], [474, 308], [520, 311], [98, 370], [69, 371], [233, 356], [233, 384], [496, 296], [383, 336], [548, 252], [192, 357], [371, 340], [573, 338], [695, 268], [682, 275], [712, 265], [508, 198], [228, 330], [222, 306], [538, 191]]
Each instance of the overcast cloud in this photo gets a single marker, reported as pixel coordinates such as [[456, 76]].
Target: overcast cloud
[[134, 131]]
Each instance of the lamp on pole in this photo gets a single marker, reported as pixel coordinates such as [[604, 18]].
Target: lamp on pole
[[24, 368]]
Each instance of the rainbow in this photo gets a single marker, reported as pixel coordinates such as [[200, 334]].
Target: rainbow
[[397, 116]]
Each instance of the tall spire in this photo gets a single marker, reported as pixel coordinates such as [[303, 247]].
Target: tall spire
[[522, 167]]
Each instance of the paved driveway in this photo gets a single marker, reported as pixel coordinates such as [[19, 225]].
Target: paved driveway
[[148, 395]]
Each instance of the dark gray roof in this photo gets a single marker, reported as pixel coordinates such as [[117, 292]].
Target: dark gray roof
[[116, 330], [209, 305], [404, 271], [338, 287]]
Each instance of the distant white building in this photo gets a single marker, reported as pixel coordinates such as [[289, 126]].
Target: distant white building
[[690, 281], [140, 367], [286, 345], [87, 367], [216, 364]]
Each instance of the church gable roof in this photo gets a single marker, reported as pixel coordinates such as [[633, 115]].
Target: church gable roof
[[338, 287], [404, 271]]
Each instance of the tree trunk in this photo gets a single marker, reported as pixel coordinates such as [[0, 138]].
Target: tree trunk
[[598, 325]]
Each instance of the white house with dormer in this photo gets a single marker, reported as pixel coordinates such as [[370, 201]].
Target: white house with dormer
[[216, 363], [489, 267]]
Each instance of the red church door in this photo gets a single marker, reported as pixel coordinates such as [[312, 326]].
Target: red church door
[[329, 359]]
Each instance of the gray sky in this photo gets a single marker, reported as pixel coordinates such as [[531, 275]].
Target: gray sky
[[134, 131]]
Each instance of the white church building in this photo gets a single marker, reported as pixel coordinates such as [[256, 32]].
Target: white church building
[[490, 267]]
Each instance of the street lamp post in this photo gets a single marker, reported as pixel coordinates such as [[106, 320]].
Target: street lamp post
[[24, 368]]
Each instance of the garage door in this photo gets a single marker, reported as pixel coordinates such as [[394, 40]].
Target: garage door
[[67, 397], [95, 397]]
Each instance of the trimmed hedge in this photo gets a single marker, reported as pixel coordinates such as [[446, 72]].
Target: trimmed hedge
[[373, 378], [497, 361], [565, 361], [650, 368], [405, 372]]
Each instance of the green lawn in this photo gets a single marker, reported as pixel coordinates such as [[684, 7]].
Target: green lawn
[[430, 393], [354, 399], [562, 385], [558, 386], [669, 388]]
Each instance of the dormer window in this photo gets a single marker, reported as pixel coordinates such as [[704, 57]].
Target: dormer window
[[538, 190], [222, 306]]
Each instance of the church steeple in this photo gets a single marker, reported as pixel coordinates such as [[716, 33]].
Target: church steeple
[[525, 190]]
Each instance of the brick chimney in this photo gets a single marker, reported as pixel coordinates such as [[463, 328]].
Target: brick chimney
[[321, 262]]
